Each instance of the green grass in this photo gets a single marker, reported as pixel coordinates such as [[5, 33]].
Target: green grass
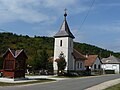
[[24, 83], [115, 87]]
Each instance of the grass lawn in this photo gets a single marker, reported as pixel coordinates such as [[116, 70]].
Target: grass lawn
[[23, 83], [115, 87]]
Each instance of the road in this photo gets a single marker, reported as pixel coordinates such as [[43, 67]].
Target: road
[[69, 84]]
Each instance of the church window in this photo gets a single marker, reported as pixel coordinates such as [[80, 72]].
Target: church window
[[61, 43]]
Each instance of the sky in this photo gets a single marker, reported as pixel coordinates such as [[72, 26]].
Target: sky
[[97, 24]]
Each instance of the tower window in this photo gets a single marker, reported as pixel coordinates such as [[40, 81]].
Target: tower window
[[61, 43]]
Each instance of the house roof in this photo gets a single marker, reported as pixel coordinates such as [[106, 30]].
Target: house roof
[[110, 60], [15, 53], [64, 29], [77, 55], [90, 60]]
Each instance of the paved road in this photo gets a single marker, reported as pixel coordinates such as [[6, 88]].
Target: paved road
[[69, 84]]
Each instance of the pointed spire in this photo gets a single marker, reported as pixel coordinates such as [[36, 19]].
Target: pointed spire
[[64, 29], [65, 14]]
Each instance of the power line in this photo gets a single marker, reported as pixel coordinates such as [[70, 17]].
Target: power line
[[87, 13]]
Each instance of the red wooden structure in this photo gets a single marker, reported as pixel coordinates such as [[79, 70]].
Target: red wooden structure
[[14, 64]]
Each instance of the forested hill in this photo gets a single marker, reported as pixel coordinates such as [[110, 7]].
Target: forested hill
[[34, 46]]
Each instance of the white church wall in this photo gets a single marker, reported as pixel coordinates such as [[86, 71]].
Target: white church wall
[[67, 49], [70, 56]]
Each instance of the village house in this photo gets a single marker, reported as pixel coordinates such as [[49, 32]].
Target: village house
[[63, 47], [79, 60], [93, 63], [112, 64], [14, 64]]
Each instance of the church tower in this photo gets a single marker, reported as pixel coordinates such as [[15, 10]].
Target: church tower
[[63, 45]]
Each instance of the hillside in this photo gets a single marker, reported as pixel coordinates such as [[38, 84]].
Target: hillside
[[34, 46]]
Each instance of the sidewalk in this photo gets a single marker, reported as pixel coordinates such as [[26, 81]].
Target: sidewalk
[[34, 78], [104, 85], [28, 79], [47, 77]]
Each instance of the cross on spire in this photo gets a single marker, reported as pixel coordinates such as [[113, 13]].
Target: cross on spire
[[65, 14], [64, 29]]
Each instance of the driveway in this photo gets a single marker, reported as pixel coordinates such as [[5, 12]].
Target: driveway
[[68, 84]]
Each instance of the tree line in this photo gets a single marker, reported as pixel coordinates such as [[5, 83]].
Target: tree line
[[40, 48]]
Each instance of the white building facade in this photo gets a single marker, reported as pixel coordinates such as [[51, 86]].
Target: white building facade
[[64, 44], [111, 63], [93, 62], [114, 67], [97, 64]]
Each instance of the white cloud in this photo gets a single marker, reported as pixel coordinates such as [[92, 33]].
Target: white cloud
[[32, 11], [12, 10]]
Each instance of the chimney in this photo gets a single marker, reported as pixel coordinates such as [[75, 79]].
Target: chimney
[[86, 55]]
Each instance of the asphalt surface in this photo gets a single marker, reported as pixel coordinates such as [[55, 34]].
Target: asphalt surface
[[69, 84]]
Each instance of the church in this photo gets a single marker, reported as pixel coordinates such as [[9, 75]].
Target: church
[[63, 46]]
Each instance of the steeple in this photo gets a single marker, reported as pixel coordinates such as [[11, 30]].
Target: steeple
[[65, 14], [64, 29]]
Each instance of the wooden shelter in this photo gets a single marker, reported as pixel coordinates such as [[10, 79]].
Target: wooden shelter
[[14, 64]]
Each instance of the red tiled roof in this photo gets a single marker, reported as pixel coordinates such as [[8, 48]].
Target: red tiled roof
[[78, 55], [90, 60]]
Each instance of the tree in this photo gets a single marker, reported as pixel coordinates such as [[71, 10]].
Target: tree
[[35, 63], [61, 63], [43, 59], [40, 60], [50, 64]]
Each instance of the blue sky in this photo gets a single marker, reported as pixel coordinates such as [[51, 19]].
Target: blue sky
[[44, 18]]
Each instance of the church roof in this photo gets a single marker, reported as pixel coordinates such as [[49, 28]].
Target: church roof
[[77, 55], [64, 29], [110, 60]]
